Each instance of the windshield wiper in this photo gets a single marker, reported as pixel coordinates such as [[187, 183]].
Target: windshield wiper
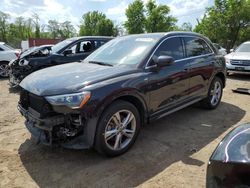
[[101, 63]]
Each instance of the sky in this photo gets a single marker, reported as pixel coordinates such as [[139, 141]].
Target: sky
[[72, 10]]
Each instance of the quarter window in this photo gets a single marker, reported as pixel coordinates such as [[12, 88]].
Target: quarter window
[[196, 47], [171, 47]]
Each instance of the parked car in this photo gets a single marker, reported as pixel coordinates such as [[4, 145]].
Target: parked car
[[229, 165], [221, 50], [67, 51], [7, 53], [132, 80], [18, 67], [238, 61]]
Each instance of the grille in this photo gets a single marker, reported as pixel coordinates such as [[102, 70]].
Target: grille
[[24, 99], [35, 102], [241, 62]]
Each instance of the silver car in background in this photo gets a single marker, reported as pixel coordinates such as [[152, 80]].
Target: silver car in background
[[238, 61]]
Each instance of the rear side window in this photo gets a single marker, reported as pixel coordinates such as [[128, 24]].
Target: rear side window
[[171, 47], [196, 47]]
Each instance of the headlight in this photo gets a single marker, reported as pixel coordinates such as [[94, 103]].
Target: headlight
[[23, 62], [227, 61], [11, 62], [75, 100]]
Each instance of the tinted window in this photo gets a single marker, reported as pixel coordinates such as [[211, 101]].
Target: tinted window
[[196, 47], [1, 49], [171, 47]]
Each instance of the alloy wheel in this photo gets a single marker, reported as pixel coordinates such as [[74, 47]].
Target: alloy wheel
[[216, 93], [4, 70], [120, 130]]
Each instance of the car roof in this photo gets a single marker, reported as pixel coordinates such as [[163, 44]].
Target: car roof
[[163, 34], [2, 43], [90, 37], [247, 42]]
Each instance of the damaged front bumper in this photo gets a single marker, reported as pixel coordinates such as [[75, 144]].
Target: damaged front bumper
[[52, 130]]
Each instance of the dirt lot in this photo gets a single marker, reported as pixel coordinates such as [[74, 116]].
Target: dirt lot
[[171, 152]]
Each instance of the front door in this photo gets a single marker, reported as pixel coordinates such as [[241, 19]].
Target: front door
[[169, 85]]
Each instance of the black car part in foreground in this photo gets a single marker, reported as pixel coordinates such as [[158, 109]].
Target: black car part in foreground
[[229, 165], [67, 51], [103, 101]]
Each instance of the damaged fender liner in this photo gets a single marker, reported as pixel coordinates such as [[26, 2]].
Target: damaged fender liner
[[41, 130]]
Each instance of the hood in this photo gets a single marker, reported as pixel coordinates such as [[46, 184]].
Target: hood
[[238, 56], [70, 78], [35, 51]]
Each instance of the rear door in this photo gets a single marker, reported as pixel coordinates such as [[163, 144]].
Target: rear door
[[169, 85], [201, 58]]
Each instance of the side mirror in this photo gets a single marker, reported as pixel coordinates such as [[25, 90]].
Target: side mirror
[[67, 52], [231, 50], [164, 60]]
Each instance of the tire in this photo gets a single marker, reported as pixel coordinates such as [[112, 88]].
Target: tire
[[213, 99], [4, 70], [113, 138]]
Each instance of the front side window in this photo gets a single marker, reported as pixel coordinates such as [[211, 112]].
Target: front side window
[[196, 47], [171, 47]]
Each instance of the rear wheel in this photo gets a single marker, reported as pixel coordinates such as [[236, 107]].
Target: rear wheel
[[4, 69], [214, 94], [117, 129]]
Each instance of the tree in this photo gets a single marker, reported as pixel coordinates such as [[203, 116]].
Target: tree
[[67, 30], [96, 23], [186, 26], [158, 18], [54, 28], [152, 18], [135, 17], [36, 21], [226, 22], [3, 26]]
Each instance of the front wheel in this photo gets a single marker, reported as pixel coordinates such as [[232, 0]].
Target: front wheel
[[214, 94], [117, 129], [4, 69]]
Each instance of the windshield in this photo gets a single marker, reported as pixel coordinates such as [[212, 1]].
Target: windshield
[[128, 50], [245, 47], [61, 45], [9, 47]]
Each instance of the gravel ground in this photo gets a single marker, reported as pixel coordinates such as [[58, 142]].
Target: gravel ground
[[171, 152]]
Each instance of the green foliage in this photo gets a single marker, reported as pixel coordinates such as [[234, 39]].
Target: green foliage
[[96, 23], [135, 17], [186, 27], [158, 18], [227, 22], [24, 28], [152, 18]]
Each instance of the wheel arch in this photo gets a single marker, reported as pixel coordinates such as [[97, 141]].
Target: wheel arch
[[222, 77], [131, 98]]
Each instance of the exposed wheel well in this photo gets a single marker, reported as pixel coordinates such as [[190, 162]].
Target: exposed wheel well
[[4, 62], [222, 77], [138, 104]]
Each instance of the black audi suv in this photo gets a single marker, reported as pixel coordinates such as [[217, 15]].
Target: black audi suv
[[131, 80]]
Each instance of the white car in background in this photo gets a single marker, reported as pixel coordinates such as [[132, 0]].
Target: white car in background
[[238, 61], [7, 54], [221, 50]]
